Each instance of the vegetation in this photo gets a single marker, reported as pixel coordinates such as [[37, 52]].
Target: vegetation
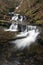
[[7, 6], [33, 9], [32, 55], [30, 8]]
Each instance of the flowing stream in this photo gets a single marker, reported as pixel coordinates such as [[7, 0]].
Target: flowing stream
[[13, 27], [17, 47], [29, 37], [27, 34]]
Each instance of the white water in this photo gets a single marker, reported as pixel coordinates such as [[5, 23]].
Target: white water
[[13, 27], [30, 38], [30, 33], [15, 18], [21, 19]]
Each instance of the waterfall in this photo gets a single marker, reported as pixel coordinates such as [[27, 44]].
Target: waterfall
[[13, 27], [17, 17], [27, 35], [30, 38]]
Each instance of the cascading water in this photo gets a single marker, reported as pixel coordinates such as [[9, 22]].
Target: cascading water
[[27, 35], [30, 37], [13, 27], [17, 17]]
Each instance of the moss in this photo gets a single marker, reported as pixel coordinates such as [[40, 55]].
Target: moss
[[33, 9], [2, 21], [39, 22]]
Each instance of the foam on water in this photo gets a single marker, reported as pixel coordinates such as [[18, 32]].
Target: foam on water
[[30, 33], [31, 36], [13, 27], [15, 17], [21, 18]]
